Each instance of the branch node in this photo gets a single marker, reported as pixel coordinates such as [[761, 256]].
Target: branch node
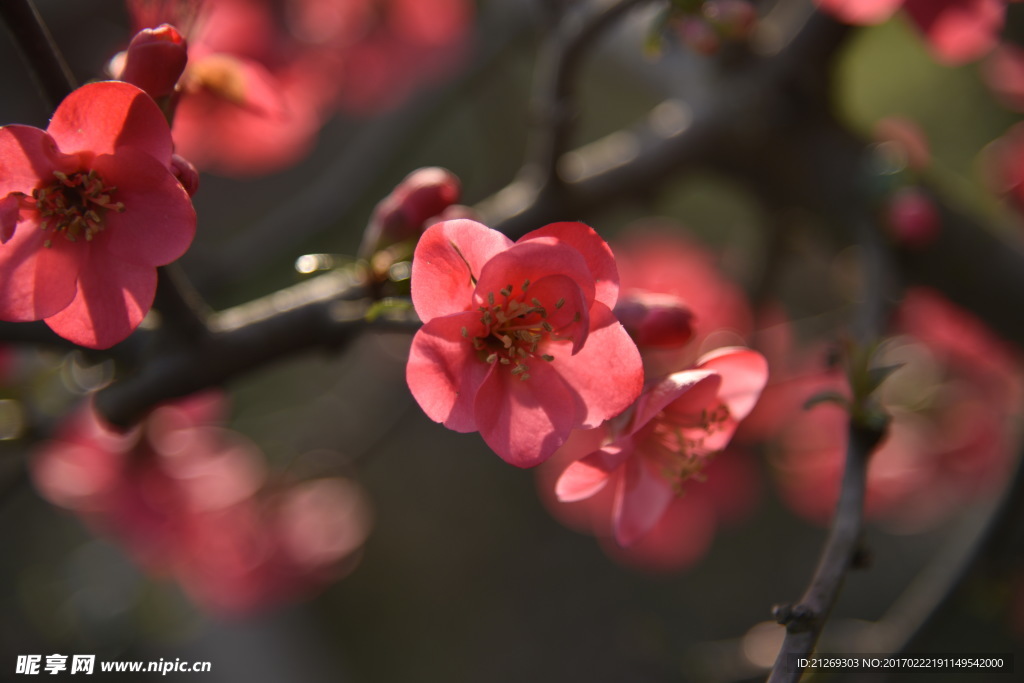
[[798, 618]]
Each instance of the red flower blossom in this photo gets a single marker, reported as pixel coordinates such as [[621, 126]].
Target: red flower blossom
[[186, 499], [676, 427], [519, 341], [957, 31], [88, 209]]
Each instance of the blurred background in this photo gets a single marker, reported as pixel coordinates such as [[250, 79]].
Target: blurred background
[[465, 575]]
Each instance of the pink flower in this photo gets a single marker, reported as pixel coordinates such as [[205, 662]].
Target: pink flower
[[88, 209], [676, 427], [262, 77], [958, 31], [187, 499], [656, 263], [727, 494], [950, 441], [519, 341]]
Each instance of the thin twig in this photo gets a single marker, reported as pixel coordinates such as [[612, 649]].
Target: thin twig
[[38, 49], [183, 311], [327, 312], [554, 108], [805, 620]]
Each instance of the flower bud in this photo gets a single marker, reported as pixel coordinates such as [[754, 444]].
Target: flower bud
[[186, 174], [655, 320], [911, 218], [154, 60], [734, 19], [404, 214], [699, 35]]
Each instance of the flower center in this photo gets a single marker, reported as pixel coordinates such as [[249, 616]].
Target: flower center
[[516, 329], [74, 205], [678, 442]]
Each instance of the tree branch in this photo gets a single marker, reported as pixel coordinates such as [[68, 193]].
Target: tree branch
[[38, 50], [554, 107], [324, 312], [805, 620]]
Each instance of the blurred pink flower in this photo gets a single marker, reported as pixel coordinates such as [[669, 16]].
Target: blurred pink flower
[[263, 77], [676, 427], [958, 31], [950, 440], [186, 499], [519, 341], [1003, 72], [658, 265], [88, 209], [410, 208]]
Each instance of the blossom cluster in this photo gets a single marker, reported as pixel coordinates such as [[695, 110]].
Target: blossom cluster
[[262, 79], [190, 500], [521, 342]]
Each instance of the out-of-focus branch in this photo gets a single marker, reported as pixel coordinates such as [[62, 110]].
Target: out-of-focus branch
[[770, 128], [38, 49], [324, 312], [554, 106]]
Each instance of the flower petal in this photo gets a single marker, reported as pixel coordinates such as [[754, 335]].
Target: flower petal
[[744, 374], [588, 475], [28, 158], [699, 385], [861, 12], [570, 320], [529, 262], [38, 281], [444, 372], [958, 31], [113, 298], [10, 214], [642, 498], [595, 251], [158, 221], [448, 260], [525, 421], [101, 117], [606, 374]]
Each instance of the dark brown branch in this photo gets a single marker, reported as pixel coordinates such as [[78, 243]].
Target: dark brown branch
[[805, 620], [182, 310], [325, 312], [38, 49], [554, 107]]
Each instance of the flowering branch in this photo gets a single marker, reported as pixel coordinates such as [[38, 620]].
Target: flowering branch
[[327, 311]]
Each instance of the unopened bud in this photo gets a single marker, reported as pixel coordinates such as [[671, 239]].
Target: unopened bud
[[734, 19], [406, 212], [911, 218], [655, 320], [699, 35], [155, 60], [186, 174]]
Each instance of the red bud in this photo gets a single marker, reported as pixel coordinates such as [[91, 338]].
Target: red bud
[[155, 60]]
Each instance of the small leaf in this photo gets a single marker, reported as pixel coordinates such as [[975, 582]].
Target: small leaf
[[878, 375], [827, 397], [379, 308]]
